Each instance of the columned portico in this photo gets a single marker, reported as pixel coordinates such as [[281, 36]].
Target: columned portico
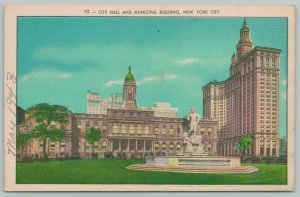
[[131, 145]]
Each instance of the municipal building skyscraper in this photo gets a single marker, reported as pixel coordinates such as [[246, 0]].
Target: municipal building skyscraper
[[247, 102]]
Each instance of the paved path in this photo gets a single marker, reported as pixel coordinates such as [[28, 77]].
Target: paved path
[[194, 169]]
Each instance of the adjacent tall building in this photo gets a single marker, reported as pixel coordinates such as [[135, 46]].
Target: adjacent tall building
[[96, 104], [164, 110], [248, 101]]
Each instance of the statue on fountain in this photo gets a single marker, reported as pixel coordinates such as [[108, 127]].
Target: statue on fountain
[[191, 140]]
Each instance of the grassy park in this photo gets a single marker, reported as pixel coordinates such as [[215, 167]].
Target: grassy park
[[115, 172]]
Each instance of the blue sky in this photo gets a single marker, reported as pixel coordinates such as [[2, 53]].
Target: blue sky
[[60, 58]]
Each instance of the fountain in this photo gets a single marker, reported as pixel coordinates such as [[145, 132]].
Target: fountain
[[192, 141], [192, 158]]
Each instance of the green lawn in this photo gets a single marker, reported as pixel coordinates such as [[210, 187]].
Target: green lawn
[[114, 172]]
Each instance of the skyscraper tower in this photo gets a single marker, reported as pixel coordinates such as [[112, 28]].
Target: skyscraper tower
[[245, 43], [129, 91], [248, 101]]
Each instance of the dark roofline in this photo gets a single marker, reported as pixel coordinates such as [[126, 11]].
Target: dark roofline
[[258, 48], [92, 92], [241, 59], [267, 48], [214, 82]]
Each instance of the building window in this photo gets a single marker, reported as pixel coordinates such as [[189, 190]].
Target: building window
[[146, 129], [164, 146], [52, 146], [123, 128], [104, 129], [104, 146], [273, 62], [131, 129], [261, 62], [87, 124], [156, 146], [139, 129], [171, 132], [115, 128], [62, 145], [267, 62], [130, 95], [156, 130]]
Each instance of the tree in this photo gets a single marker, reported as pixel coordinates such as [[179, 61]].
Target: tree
[[44, 114], [244, 142], [92, 135], [22, 140], [186, 123]]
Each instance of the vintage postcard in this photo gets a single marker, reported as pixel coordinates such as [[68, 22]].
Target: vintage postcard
[[149, 97]]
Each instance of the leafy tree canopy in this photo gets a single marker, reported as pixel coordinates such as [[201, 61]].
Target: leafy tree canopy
[[46, 113], [92, 135], [22, 139], [186, 124], [244, 142]]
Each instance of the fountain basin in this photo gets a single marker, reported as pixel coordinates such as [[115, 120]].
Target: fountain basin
[[194, 161]]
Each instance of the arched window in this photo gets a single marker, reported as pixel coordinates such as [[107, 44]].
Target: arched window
[[146, 129], [129, 94], [139, 129], [131, 128], [123, 128], [178, 146], [104, 145]]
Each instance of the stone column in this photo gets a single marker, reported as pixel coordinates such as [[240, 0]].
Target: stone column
[[111, 145], [144, 145], [152, 146], [136, 146], [128, 146], [265, 147], [47, 146], [271, 146], [119, 144], [257, 146], [277, 146]]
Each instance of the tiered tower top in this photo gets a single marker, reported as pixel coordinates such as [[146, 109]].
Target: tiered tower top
[[129, 76]]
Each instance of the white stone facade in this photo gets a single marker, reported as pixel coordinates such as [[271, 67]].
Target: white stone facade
[[164, 110], [96, 104]]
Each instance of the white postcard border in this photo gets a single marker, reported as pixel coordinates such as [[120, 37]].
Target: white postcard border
[[10, 44]]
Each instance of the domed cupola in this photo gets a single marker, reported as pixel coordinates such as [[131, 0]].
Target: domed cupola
[[129, 76]]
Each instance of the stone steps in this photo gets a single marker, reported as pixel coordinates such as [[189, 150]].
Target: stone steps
[[193, 169]]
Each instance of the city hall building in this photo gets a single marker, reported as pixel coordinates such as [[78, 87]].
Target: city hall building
[[248, 101], [126, 129]]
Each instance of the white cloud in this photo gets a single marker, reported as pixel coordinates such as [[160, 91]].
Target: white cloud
[[65, 75], [114, 82], [164, 77], [198, 61], [149, 79], [187, 61], [46, 74]]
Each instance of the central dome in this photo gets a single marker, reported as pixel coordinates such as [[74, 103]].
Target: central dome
[[129, 76]]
